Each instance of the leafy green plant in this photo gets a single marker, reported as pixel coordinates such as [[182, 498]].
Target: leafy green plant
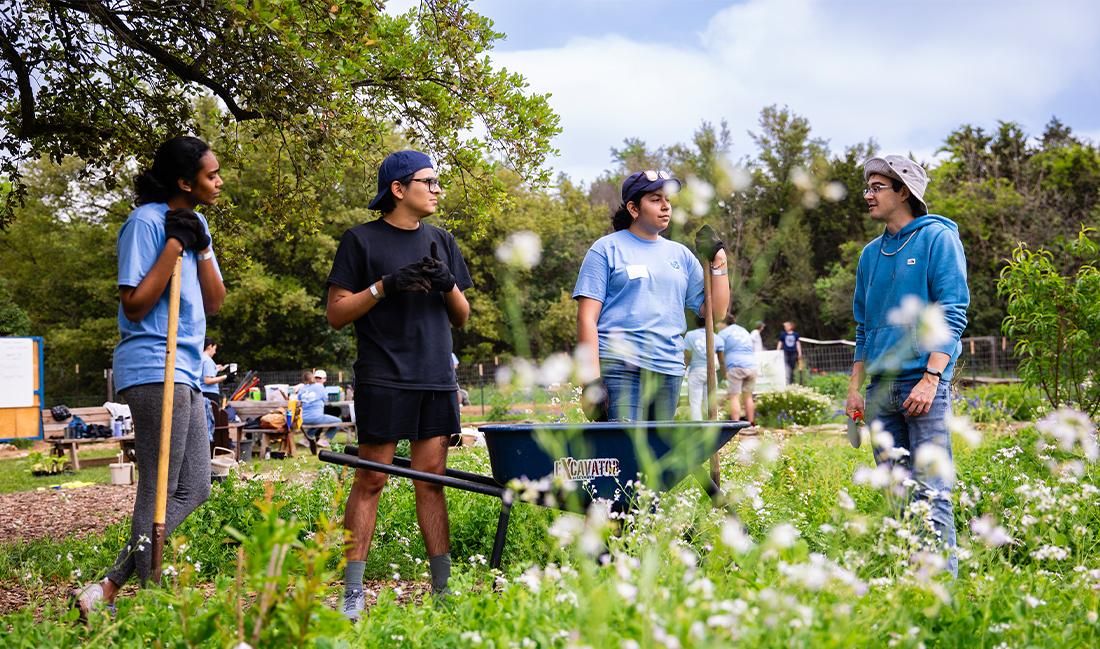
[[1055, 320], [833, 384], [1000, 403], [42, 464], [796, 404]]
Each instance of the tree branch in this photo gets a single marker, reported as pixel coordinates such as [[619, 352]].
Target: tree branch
[[28, 123], [170, 62]]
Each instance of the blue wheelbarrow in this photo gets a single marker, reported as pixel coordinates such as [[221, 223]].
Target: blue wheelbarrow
[[578, 463]]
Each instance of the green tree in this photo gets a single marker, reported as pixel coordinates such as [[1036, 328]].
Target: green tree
[[106, 81], [14, 321], [1055, 320]]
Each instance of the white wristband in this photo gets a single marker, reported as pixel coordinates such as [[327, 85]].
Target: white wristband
[[374, 292], [209, 254]]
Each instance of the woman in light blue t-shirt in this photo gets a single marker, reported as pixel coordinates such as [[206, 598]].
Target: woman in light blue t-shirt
[[631, 292], [163, 227]]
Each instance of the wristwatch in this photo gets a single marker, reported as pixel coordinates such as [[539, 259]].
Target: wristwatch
[[374, 292], [936, 373]]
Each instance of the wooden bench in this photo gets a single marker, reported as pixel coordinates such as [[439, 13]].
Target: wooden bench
[[54, 432], [283, 439]]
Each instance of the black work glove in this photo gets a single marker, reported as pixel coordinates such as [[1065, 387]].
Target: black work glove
[[184, 225], [595, 401], [437, 271], [407, 279], [707, 243]]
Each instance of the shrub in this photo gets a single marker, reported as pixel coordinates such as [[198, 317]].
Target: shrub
[[835, 385], [1000, 403], [795, 405], [1055, 320]]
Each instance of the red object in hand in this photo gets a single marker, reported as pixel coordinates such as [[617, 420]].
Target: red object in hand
[[857, 415]]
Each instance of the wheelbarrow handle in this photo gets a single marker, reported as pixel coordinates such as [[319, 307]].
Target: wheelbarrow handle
[[405, 472]]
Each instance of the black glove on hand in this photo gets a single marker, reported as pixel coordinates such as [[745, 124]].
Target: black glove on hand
[[184, 225], [707, 243], [595, 401], [407, 279], [437, 271]]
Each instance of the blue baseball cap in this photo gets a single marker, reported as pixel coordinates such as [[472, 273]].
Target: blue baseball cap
[[642, 182], [397, 165]]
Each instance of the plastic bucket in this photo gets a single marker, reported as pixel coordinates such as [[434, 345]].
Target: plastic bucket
[[221, 464], [122, 473]]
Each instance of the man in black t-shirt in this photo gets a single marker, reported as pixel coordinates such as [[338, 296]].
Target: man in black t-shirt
[[400, 281], [791, 345]]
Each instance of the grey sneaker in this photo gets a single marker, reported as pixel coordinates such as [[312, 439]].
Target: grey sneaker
[[354, 603]]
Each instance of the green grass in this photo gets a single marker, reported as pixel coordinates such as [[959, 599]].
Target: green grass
[[851, 578]]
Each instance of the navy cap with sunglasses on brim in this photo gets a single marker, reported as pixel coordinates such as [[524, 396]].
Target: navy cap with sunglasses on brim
[[396, 166], [643, 182]]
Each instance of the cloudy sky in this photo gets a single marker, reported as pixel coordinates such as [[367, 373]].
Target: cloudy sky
[[902, 73]]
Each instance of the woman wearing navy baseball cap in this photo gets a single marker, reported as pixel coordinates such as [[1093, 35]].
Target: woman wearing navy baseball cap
[[631, 293]]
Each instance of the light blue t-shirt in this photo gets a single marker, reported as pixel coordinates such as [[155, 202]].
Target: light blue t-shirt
[[139, 355], [644, 286], [313, 397], [696, 342], [209, 368], [739, 348]]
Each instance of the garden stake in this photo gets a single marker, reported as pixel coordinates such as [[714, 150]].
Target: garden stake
[[166, 404], [712, 379]]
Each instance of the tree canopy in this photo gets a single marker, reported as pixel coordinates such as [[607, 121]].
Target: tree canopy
[[107, 80]]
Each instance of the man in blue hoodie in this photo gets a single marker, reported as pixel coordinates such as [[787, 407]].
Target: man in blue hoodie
[[910, 307]]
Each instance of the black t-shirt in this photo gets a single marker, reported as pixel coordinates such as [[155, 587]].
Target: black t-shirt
[[405, 340]]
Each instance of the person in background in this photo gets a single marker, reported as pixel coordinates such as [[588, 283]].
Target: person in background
[[741, 369], [918, 257], [211, 382], [792, 349], [757, 335], [164, 226], [400, 281], [312, 397], [631, 293], [695, 355]]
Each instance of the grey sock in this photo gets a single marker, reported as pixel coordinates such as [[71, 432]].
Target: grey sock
[[353, 575], [440, 567]]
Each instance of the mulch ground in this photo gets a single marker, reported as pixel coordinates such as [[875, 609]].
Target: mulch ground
[[29, 515]]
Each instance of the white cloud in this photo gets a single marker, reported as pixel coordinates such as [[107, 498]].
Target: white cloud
[[905, 76]]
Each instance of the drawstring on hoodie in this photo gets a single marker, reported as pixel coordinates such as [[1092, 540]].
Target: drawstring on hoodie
[[882, 242]]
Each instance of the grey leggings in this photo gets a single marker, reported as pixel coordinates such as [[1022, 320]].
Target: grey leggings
[[188, 470]]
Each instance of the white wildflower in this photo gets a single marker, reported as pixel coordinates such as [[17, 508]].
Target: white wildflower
[[522, 249], [734, 536], [991, 534], [835, 191], [783, 536], [933, 459]]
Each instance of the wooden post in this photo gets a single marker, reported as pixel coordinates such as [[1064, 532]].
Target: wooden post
[[160, 508], [712, 379]]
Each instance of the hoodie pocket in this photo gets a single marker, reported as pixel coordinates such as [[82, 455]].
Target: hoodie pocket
[[892, 349]]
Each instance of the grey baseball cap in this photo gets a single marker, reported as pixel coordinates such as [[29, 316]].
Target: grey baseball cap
[[900, 168]]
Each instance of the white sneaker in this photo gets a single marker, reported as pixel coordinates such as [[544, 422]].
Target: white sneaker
[[354, 603]]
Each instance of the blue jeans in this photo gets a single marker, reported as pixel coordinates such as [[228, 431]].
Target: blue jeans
[[636, 394], [323, 419], [884, 399]]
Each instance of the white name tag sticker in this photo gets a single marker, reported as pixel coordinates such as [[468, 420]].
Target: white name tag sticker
[[637, 271]]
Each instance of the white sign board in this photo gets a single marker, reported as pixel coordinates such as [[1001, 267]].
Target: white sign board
[[16, 372]]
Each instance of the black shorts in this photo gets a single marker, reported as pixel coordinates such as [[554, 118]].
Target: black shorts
[[385, 415]]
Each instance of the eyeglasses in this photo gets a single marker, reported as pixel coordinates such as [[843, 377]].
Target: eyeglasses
[[432, 183], [652, 175], [875, 189]]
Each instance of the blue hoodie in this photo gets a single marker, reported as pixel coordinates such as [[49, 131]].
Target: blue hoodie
[[924, 259]]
